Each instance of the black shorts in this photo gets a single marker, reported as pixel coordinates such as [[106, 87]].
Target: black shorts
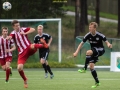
[[96, 53], [44, 55]]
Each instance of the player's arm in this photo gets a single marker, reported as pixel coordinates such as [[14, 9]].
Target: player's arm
[[13, 47], [78, 49], [108, 44], [49, 42], [27, 31]]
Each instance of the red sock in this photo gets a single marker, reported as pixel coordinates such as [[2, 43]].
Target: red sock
[[38, 45], [7, 74], [22, 74]]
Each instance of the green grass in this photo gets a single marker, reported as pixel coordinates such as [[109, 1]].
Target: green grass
[[92, 12], [65, 79]]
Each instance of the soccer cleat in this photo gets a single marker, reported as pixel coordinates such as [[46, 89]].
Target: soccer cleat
[[11, 71], [96, 84], [46, 75], [82, 70], [44, 43], [51, 76], [6, 81], [25, 84]]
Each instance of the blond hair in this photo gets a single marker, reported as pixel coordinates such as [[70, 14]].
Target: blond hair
[[94, 24], [40, 26], [4, 28]]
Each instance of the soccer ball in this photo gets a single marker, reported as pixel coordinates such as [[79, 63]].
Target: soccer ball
[[7, 6]]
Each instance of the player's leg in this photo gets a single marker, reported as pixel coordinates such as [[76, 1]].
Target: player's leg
[[93, 60], [94, 74], [42, 61], [44, 45], [89, 53], [21, 61], [8, 70], [21, 72], [49, 70]]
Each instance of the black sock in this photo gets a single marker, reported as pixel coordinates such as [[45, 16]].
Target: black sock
[[87, 61], [94, 74], [49, 70], [45, 67]]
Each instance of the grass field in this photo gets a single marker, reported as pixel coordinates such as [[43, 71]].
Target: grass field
[[65, 79]]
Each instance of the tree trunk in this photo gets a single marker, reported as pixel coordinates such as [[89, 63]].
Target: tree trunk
[[97, 12], [86, 15], [82, 17], [118, 34], [77, 23]]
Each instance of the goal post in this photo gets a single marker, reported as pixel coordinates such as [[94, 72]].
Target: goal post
[[38, 20]]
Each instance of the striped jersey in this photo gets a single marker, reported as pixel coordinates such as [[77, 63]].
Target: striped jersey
[[95, 40], [21, 41], [5, 44]]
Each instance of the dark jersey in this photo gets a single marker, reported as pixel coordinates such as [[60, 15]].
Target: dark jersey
[[44, 36], [95, 40]]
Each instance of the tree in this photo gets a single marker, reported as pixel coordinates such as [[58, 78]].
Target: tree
[[97, 11], [118, 34], [82, 16], [77, 17], [86, 14]]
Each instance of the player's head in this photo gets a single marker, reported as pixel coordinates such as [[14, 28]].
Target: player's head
[[4, 31], [40, 29], [15, 25], [93, 26]]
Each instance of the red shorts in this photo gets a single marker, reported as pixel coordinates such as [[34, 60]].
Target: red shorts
[[22, 58], [4, 60]]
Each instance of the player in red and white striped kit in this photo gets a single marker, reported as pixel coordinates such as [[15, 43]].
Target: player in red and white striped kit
[[25, 48], [6, 48]]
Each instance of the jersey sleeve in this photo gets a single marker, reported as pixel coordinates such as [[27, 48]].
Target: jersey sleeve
[[26, 29], [35, 39], [12, 34], [104, 39], [85, 38], [12, 42], [49, 36]]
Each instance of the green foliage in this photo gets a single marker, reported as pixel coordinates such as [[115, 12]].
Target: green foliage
[[52, 64], [32, 9], [102, 14]]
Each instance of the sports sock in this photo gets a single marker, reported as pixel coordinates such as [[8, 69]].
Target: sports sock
[[45, 67], [49, 69], [22, 74], [87, 61], [38, 45], [7, 74], [94, 74]]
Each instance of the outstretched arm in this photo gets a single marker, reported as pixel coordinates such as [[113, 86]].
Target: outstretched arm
[[78, 49], [28, 32], [108, 44]]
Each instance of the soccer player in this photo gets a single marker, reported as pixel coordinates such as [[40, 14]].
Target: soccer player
[[6, 48], [44, 52], [25, 48], [95, 39]]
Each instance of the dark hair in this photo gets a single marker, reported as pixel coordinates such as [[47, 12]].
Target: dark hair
[[14, 22]]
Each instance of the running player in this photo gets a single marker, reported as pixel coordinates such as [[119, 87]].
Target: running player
[[6, 48], [44, 52]]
